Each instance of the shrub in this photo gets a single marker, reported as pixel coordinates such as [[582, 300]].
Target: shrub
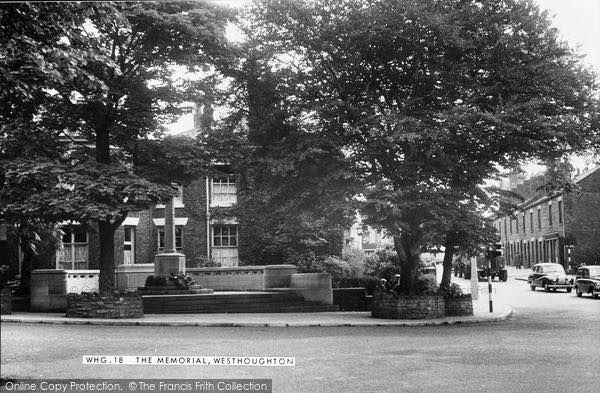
[[4, 270], [202, 261], [427, 284], [383, 263], [310, 263], [453, 291], [155, 281], [356, 260], [367, 282]]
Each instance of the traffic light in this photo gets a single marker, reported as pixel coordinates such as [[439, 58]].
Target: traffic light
[[496, 250]]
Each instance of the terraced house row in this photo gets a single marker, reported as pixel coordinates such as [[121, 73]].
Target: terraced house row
[[554, 227]]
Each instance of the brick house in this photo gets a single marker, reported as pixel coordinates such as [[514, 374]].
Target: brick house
[[559, 227], [205, 229]]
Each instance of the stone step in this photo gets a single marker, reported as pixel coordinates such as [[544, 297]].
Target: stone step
[[227, 297], [232, 302], [178, 291], [271, 309]]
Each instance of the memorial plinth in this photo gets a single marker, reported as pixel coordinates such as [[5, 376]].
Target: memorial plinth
[[169, 261], [167, 264]]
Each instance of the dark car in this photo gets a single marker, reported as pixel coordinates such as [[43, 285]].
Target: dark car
[[550, 276], [587, 280]]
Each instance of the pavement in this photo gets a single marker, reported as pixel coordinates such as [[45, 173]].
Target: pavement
[[518, 274], [481, 314]]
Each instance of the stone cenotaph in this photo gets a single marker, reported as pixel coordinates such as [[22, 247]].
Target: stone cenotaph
[[169, 261]]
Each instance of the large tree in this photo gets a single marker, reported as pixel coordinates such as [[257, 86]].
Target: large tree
[[100, 76], [430, 97], [296, 188]]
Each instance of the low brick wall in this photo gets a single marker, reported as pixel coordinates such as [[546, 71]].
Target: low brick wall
[[6, 301], [407, 307], [91, 305], [459, 306]]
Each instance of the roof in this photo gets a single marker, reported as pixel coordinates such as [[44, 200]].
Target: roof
[[544, 197], [586, 174], [191, 133]]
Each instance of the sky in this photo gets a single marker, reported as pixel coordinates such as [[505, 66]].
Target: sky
[[579, 24], [577, 20]]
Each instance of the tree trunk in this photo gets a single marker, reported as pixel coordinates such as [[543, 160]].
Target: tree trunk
[[407, 248], [447, 265], [106, 233], [106, 229]]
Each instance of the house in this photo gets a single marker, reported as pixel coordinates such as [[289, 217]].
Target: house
[[205, 229], [365, 238], [554, 227]]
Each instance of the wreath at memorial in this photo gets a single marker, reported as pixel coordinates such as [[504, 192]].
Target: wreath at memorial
[[182, 280]]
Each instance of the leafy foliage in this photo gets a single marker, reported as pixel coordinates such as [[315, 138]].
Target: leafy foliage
[[296, 188], [430, 98], [85, 86], [383, 263], [454, 291]]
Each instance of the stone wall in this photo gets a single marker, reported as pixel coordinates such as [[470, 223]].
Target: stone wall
[[459, 306], [408, 307], [313, 286], [125, 305], [131, 277], [49, 287]]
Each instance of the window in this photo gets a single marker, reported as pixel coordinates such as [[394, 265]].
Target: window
[[531, 219], [539, 218], [560, 216], [74, 253], [550, 214], [225, 236], [129, 245], [511, 220], [585, 273], [524, 230], [224, 192], [178, 238]]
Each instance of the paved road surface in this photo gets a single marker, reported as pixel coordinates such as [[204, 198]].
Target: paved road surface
[[550, 345]]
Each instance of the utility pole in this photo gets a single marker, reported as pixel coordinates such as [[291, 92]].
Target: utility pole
[[489, 276]]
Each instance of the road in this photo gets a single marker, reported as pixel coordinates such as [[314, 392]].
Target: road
[[550, 344]]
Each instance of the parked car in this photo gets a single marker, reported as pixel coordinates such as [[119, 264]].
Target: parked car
[[550, 276], [587, 280]]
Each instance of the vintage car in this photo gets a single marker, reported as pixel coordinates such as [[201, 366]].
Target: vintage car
[[550, 276], [587, 280]]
